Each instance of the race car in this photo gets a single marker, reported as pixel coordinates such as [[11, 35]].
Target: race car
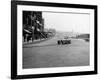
[[64, 41]]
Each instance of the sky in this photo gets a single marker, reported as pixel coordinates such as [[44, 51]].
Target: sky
[[67, 22]]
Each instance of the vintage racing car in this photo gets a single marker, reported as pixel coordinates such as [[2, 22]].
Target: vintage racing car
[[64, 41]]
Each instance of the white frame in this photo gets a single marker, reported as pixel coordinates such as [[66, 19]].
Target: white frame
[[21, 71]]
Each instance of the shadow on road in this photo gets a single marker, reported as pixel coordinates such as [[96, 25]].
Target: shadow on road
[[42, 45]]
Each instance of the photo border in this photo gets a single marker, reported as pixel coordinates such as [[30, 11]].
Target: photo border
[[14, 35]]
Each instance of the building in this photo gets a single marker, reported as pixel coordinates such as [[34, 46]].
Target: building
[[33, 18], [33, 24]]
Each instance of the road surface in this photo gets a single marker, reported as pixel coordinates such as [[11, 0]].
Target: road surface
[[49, 54]]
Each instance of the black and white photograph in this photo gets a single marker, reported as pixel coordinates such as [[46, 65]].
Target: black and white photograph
[[53, 39]]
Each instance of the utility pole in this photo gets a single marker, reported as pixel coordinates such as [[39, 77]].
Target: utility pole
[[32, 27]]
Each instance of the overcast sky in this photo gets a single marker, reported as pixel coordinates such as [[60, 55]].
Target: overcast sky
[[67, 21]]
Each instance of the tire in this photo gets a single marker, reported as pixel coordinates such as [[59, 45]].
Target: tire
[[58, 42]]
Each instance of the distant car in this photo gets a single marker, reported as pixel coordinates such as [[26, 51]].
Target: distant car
[[87, 39], [64, 41]]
